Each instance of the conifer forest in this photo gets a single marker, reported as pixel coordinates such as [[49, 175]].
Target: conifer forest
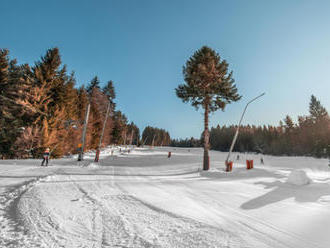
[[310, 136], [42, 106]]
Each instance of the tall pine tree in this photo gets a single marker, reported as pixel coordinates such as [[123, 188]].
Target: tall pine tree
[[12, 115], [209, 85]]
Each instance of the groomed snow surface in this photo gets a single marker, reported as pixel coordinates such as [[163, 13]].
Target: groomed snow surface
[[141, 198]]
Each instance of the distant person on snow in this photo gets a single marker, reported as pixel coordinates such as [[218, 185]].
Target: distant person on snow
[[45, 157], [169, 154], [261, 160], [237, 158]]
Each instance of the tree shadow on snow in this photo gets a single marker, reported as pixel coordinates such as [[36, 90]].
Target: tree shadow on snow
[[10, 176], [281, 191]]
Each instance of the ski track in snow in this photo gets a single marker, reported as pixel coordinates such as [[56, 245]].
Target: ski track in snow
[[165, 206], [101, 215]]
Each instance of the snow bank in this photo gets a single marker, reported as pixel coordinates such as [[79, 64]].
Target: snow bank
[[93, 166], [298, 177], [213, 172]]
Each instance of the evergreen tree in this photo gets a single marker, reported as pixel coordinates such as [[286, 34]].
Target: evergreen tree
[[98, 108], [289, 125], [316, 110], [46, 79], [320, 128], [109, 91], [209, 85], [133, 133], [289, 137], [94, 84], [119, 132], [11, 109], [4, 67], [155, 137], [53, 95], [82, 102], [5, 114]]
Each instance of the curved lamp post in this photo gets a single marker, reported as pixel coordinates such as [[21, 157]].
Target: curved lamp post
[[239, 124]]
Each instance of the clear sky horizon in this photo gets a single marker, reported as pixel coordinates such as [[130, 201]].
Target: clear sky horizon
[[278, 47]]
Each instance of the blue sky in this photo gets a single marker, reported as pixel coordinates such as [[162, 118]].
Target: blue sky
[[279, 47]]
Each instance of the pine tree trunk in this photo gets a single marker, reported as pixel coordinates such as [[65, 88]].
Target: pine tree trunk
[[206, 160]]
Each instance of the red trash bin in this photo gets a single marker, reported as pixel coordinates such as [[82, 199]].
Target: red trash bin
[[249, 164], [229, 166]]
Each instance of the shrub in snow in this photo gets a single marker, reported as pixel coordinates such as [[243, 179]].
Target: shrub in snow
[[298, 177]]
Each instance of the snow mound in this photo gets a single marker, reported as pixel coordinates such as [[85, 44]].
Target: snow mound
[[298, 177], [93, 166], [213, 172]]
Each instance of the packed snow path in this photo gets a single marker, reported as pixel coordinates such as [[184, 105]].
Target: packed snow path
[[144, 199]]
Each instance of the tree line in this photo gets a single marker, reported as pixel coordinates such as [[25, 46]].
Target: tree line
[[155, 137], [40, 106], [188, 142], [310, 136]]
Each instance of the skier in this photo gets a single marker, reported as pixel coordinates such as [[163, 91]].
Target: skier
[[237, 158], [169, 154], [261, 160], [45, 157]]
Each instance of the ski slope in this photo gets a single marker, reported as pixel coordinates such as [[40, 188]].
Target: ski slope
[[144, 199]]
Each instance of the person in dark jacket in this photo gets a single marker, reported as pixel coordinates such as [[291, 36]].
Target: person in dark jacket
[[45, 157], [261, 160]]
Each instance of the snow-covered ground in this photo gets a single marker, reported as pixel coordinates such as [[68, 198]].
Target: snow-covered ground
[[144, 199]]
